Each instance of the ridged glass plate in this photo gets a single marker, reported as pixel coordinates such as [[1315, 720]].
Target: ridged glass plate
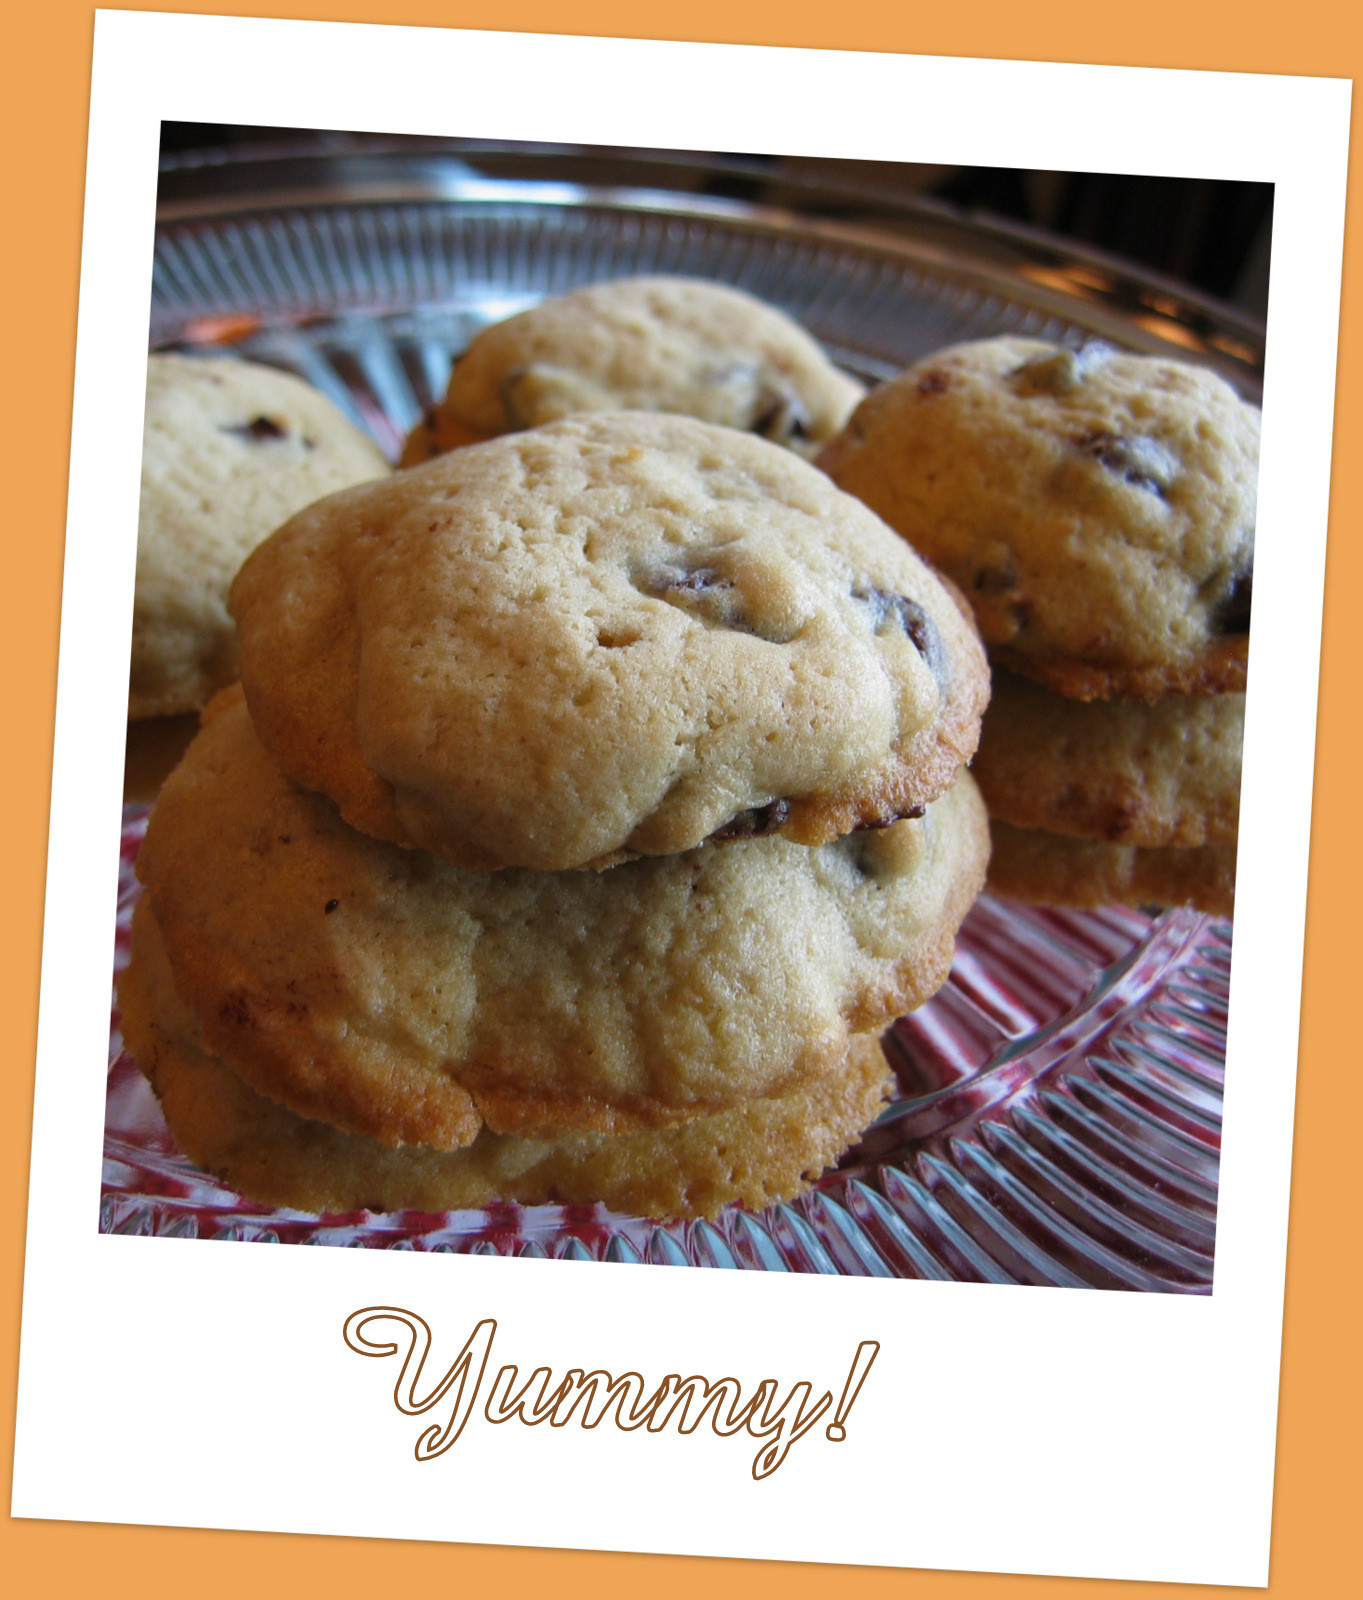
[[1058, 1120]]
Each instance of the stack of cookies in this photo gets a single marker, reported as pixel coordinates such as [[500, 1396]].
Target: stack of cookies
[[594, 798], [1098, 511]]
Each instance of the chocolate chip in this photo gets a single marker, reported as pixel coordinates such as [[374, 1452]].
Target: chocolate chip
[[890, 610], [915, 623], [517, 412], [755, 821], [857, 848], [862, 850], [701, 591], [889, 819], [934, 381], [540, 393], [330, 906], [750, 396], [1141, 462], [990, 581], [697, 581], [1062, 371], [859, 845], [257, 429], [1231, 614], [781, 416]]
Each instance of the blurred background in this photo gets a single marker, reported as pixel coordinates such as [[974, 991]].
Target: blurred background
[[1208, 235]]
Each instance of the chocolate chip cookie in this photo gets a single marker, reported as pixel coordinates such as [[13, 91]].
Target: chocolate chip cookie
[[617, 635], [1116, 770], [1096, 508], [1060, 869], [230, 450], [756, 1154], [643, 344], [399, 997]]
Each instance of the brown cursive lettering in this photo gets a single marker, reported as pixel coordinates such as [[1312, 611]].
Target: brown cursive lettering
[[592, 1396]]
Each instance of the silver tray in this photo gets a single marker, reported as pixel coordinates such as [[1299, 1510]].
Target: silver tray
[[1058, 1120]]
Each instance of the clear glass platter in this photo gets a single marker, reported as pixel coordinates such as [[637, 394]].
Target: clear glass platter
[[1058, 1120]]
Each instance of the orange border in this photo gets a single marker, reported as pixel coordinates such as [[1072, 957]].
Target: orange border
[[1319, 1480]]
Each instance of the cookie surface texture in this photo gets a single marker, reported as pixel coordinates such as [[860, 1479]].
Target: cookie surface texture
[[396, 996], [1097, 509], [610, 636], [230, 450], [1059, 869], [1120, 770], [644, 344], [759, 1153]]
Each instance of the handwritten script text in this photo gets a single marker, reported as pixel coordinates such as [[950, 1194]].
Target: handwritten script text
[[589, 1398]]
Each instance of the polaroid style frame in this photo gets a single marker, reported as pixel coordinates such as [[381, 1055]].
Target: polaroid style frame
[[956, 1410]]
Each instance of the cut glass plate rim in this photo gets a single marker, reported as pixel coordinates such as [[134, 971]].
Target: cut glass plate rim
[[1095, 288]]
